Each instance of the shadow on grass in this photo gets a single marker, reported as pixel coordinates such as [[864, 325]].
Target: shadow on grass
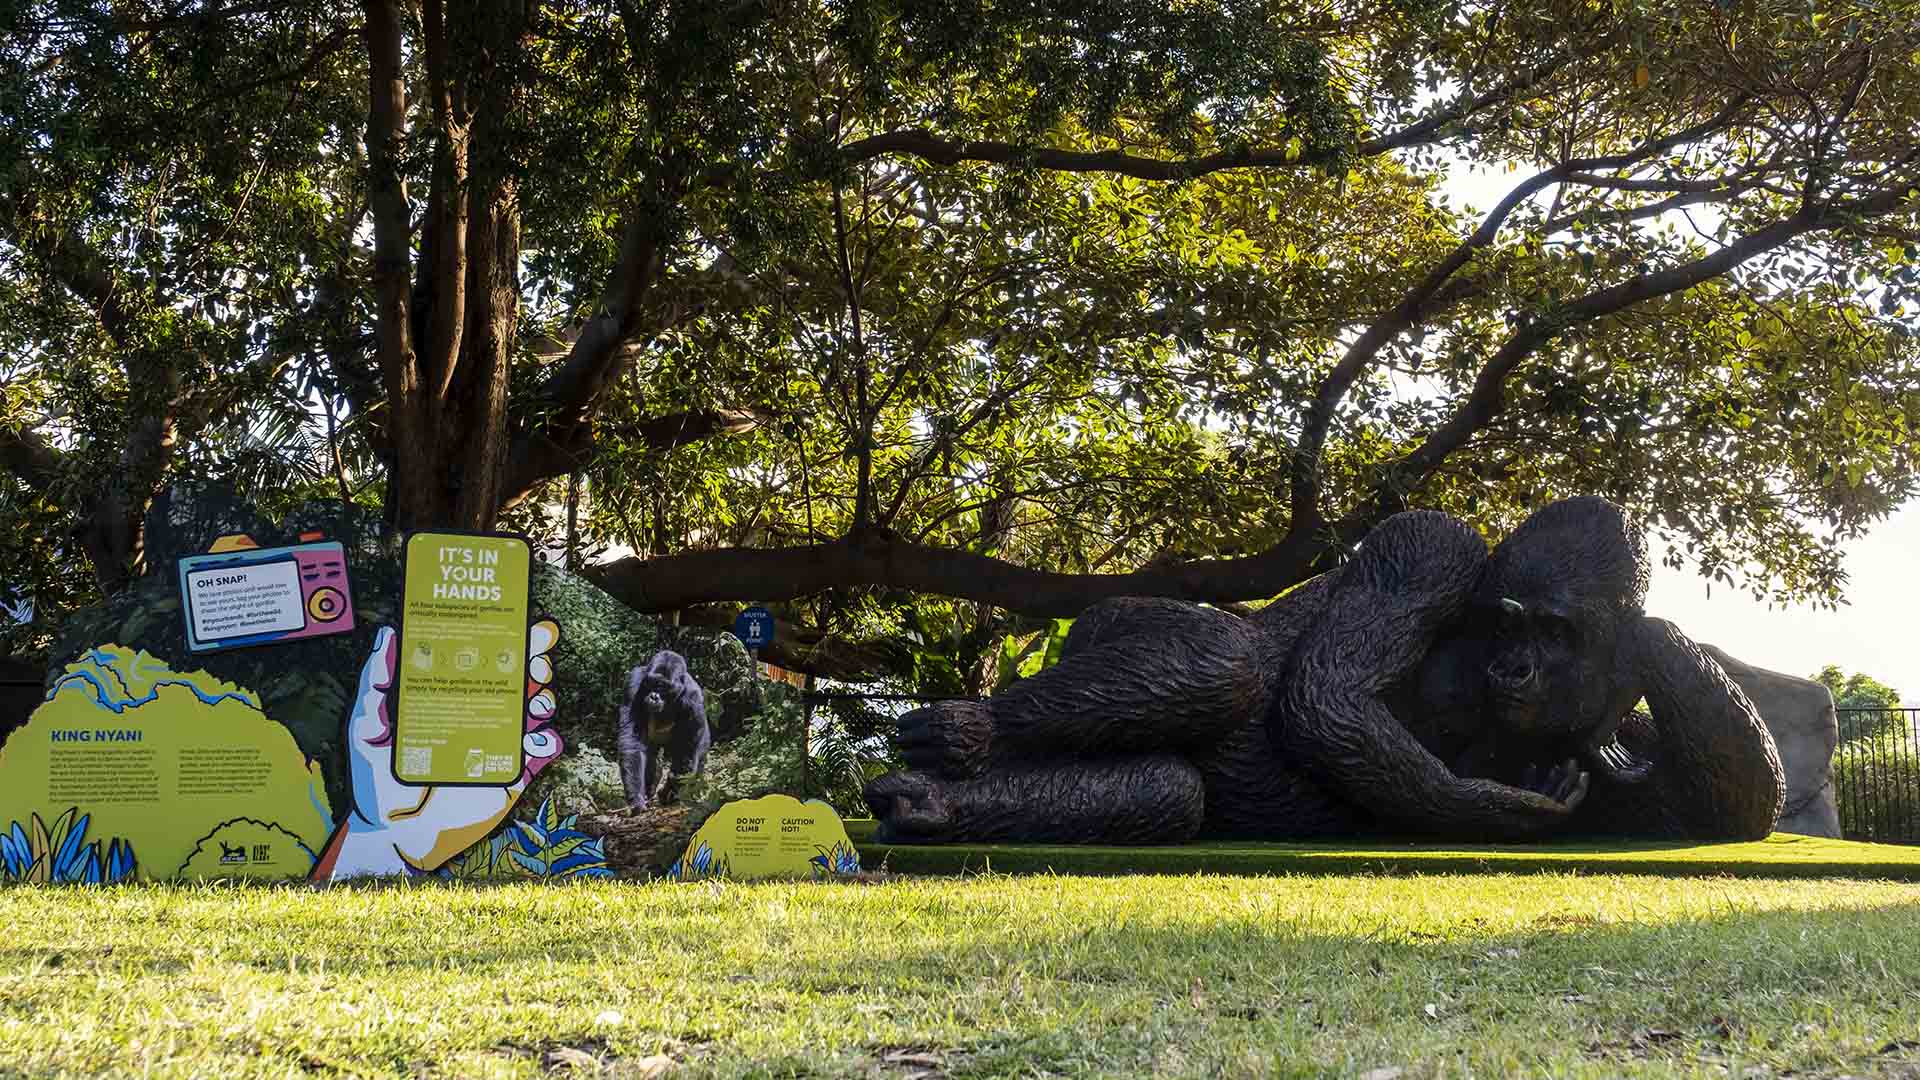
[[1781, 855]]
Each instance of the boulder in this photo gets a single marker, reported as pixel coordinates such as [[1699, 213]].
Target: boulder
[[1800, 714]]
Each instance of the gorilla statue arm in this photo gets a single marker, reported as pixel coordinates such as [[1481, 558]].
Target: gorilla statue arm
[[1706, 768], [1410, 582], [1136, 675]]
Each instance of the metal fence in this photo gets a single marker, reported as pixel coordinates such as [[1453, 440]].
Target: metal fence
[[1876, 775]]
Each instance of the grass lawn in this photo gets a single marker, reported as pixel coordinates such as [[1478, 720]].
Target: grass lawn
[[1348, 974]]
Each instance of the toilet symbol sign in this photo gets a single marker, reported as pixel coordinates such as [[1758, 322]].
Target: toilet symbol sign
[[754, 627]]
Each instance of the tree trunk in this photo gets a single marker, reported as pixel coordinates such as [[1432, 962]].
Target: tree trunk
[[447, 325]]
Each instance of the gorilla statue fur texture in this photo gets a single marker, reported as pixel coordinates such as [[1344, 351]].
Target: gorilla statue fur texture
[[662, 728], [1423, 687]]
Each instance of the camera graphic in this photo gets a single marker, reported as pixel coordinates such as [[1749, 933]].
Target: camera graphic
[[241, 595]]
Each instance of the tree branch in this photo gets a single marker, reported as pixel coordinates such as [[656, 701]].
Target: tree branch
[[1304, 474], [1488, 396], [676, 581], [921, 143], [537, 457], [1595, 216], [30, 458]]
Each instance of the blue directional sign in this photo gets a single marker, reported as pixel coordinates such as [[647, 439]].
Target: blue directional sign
[[754, 627]]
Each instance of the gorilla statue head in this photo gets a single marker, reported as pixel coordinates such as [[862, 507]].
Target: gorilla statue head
[[1557, 601]]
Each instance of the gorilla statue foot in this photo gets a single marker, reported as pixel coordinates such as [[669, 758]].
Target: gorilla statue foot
[[947, 738], [909, 806]]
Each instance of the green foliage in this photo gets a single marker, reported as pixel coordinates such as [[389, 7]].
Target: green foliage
[[849, 745], [1028, 655], [765, 759], [1107, 65], [845, 745], [1857, 691], [1055, 284]]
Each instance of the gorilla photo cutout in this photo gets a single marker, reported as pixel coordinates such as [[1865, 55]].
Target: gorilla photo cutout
[[1424, 687], [662, 728]]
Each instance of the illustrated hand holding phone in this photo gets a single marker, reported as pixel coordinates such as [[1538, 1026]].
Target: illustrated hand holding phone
[[396, 827]]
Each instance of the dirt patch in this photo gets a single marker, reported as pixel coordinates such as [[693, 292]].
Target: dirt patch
[[643, 843]]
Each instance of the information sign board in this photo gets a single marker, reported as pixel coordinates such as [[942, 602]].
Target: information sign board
[[754, 628], [772, 836], [460, 706], [261, 596]]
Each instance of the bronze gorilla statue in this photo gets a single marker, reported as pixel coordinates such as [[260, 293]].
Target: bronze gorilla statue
[[1423, 687]]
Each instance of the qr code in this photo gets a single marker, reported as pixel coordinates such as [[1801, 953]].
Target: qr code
[[416, 760]]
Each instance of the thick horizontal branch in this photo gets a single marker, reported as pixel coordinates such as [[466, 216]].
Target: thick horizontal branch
[[921, 143], [808, 650], [918, 142], [697, 577]]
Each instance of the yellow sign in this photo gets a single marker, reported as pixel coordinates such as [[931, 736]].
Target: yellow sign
[[461, 708], [133, 770], [772, 836]]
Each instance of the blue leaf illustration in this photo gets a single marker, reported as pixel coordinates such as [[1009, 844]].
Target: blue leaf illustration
[[15, 852], [75, 840]]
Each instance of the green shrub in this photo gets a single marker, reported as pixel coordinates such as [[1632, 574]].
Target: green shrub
[[846, 747]]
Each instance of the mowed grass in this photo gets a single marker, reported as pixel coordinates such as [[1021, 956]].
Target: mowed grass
[[1455, 975]]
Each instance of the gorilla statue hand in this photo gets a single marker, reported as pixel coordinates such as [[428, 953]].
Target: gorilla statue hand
[[393, 827], [1565, 783]]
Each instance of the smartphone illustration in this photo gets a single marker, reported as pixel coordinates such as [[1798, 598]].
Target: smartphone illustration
[[460, 692]]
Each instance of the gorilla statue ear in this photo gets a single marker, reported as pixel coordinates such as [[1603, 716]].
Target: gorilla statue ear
[[1714, 768]]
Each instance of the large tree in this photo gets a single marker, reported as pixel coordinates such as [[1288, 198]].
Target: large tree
[[1020, 303]]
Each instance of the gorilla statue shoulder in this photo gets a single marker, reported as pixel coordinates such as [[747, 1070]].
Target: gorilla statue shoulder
[[1423, 687], [662, 728]]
